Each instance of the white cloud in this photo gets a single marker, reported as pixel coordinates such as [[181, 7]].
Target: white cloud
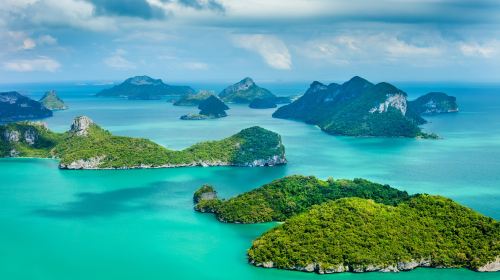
[[475, 49], [47, 40], [274, 52], [370, 48], [28, 44], [193, 65], [118, 61], [41, 63]]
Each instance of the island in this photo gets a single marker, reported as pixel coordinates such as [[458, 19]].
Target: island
[[144, 88], [210, 108], [16, 107], [361, 235], [288, 196], [52, 102], [263, 103], [359, 108], [430, 104], [244, 91], [87, 146], [193, 99], [357, 226]]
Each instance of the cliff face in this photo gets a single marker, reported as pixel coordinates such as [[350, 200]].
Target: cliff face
[[144, 87], [360, 108], [244, 92], [52, 102], [16, 107]]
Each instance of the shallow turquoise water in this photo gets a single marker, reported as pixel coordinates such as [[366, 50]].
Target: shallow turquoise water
[[139, 224]]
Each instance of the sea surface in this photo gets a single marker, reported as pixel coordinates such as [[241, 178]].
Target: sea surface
[[140, 224]]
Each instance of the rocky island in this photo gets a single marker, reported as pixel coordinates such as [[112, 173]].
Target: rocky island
[[145, 88], [52, 102], [360, 108], [16, 107], [210, 108], [193, 99], [357, 226], [430, 104], [88, 146]]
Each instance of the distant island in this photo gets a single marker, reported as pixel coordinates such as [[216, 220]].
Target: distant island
[[360, 108], [263, 103], [145, 88], [357, 226], [52, 102], [210, 108], [17, 107], [193, 99], [88, 146], [244, 91]]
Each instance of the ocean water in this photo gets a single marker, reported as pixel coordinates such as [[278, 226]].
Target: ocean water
[[139, 224]]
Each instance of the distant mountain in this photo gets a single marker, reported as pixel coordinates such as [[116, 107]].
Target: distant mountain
[[356, 108], [52, 102], [144, 88], [16, 107], [244, 91], [193, 99], [210, 108]]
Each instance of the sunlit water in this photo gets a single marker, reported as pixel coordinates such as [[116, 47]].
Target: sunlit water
[[139, 224]]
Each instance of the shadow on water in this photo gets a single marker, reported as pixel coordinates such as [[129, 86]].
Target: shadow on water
[[109, 203]]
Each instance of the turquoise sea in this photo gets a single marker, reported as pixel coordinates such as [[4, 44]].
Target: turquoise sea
[[139, 224]]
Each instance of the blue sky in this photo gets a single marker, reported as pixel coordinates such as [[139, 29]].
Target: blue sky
[[269, 40]]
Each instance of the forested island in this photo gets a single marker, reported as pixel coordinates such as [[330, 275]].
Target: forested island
[[357, 226], [145, 88], [16, 107], [244, 91], [361, 108], [52, 102], [88, 146]]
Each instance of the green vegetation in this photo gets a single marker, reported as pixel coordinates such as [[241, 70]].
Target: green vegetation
[[433, 103], [98, 148], [244, 92], [210, 108], [52, 102], [354, 234], [357, 108], [193, 99], [206, 192], [289, 196]]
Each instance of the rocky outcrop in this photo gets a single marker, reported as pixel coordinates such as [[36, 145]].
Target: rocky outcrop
[[81, 125], [11, 136], [272, 161], [397, 101], [490, 267], [91, 163], [205, 192]]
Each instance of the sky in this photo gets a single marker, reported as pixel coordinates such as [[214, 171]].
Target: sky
[[269, 40]]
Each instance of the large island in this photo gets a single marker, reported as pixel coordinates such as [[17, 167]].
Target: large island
[[88, 146], [357, 226], [361, 108]]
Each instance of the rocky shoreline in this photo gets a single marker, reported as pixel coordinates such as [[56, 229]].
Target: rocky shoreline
[[493, 266]]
